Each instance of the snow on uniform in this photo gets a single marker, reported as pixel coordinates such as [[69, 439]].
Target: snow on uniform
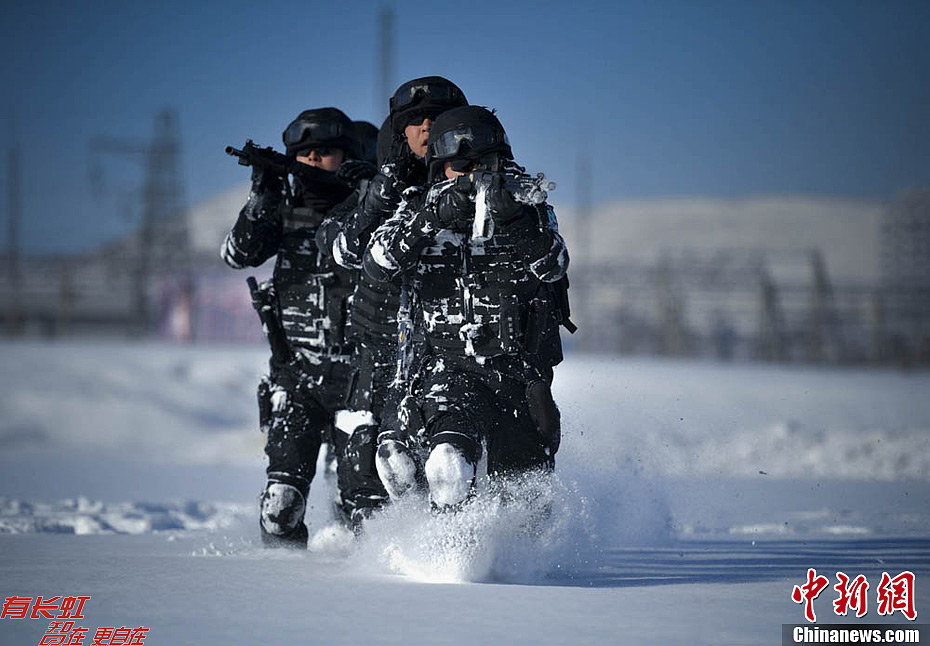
[[373, 328], [298, 398], [374, 304], [484, 366]]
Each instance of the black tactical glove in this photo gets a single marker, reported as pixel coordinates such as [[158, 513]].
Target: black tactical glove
[[381, 199], [545, 414], [266, 181], [402, 158], [326, 235], [455, 208], [352, 171], [266, 196], [502, 207]]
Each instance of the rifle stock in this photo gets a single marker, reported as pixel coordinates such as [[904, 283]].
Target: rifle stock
[[264, 302]]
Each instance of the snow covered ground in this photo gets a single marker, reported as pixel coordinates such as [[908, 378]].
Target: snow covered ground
[[691, 498]]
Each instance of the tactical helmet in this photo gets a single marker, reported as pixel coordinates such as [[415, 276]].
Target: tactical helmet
[[366, 139], [422, 98], [321, 127], [465, 133], [385, 141]]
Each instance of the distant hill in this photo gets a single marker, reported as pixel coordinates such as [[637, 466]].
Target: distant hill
[[211, 220], [846, 231]]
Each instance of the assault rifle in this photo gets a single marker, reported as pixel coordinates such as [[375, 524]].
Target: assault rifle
[[263, 158], [265, 303], [525, 189], [404, 331]]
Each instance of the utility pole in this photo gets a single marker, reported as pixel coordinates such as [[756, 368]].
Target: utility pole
[[771, 340], [385, 59], [672, 333], [825, 342], [14, 317]]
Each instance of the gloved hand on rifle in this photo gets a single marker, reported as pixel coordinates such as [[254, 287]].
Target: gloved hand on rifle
[[266, 182], [502, 207], [266, 196], [352, 171], [381, 199], [402, 159], [455, 208], [326, 235]]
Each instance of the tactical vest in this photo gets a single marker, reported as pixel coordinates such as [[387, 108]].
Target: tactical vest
[[373, 310], [374, 305], [480, 299], [312, 290]]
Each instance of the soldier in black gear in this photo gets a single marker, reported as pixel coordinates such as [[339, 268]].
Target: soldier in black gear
[[299, 397], [374, 304], [366, 136], [487, 309]]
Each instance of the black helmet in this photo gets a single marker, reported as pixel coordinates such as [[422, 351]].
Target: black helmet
[[385, 141], [321, 127], [366, 140], [421, 98], [466, 133]]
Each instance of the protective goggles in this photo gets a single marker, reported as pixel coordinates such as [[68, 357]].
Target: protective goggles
[[302, 130], [322, 151], [478, 139], [409, 93]]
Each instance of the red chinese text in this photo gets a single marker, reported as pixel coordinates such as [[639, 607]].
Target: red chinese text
[[897, 594], [808, 592], [852, 595], [43, 607], [63, 634], [122, 636]]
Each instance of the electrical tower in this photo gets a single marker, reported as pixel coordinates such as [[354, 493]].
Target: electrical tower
[[162, 243]]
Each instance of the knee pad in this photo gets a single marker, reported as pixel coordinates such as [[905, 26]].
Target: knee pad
[[398, 468], [451, 475], [282, 509]]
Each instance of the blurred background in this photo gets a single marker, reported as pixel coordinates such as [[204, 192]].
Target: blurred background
[[738, 181]]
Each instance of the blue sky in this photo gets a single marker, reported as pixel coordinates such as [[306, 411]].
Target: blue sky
[[665, 98]]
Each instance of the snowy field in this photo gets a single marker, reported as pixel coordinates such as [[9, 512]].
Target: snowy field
[[691, 498]]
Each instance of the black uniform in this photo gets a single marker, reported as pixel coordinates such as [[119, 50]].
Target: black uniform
[[299, 397], [374, 304], [487, 311]]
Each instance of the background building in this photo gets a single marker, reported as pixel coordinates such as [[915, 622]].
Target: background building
[[771, 278]]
